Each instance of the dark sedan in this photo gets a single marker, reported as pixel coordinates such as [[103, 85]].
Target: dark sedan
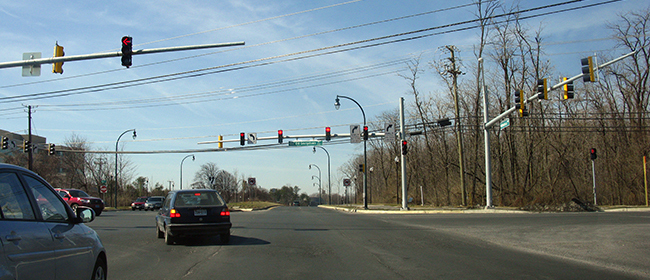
[[193, 213]]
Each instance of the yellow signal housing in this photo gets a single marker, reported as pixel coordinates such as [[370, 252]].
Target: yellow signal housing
[[58, 66], [220, 142]]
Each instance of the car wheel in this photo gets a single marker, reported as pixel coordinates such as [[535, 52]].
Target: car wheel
[[99, 273], [98, 213], [74, 207], [225, 238], [159, 232], [169, 240]]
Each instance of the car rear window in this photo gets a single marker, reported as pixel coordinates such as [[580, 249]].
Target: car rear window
[[78, 193], [198, 199]]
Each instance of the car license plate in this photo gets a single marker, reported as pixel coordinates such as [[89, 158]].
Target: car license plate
[[97, 206], [200, 212]]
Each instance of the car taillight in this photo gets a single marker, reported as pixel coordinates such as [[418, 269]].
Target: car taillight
[[225, 212], [174, 214]]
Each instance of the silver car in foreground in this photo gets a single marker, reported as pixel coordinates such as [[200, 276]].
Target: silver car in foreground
[[40, 236]]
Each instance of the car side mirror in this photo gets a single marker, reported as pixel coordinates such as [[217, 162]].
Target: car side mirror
[[85, 214]]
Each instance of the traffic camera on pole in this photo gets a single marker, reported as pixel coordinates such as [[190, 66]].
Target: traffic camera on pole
[[542, 89], [127, 51], [57, 67], [568, 89], [280, 136], [242, 138], [328, 133], [588, 69]]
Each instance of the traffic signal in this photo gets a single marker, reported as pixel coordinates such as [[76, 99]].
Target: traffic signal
[[365, 133], [242, 139], [280, 136], [593, 153], [568, 89], [5, 142], [220, 141], [127, 51], [587, 69], [520, 104], [57, 67], [444, 122], [404, 147], [360, 167], [51, 149], [542, 89], [328, 133], [26, 146]]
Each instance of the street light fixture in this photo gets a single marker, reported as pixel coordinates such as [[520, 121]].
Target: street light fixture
[[182, 168], [337, 105], [329, 181], [320, 198], [116, 169]]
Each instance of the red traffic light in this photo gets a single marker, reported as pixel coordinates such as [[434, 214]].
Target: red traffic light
[[365, 133], [404, 147], [242, 138], [127, 51], [593, 153], [280, 136], [328, 133]]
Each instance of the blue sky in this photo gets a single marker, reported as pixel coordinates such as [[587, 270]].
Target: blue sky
[[245, 100]]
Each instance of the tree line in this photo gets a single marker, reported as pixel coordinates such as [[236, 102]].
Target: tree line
[[541, 159]]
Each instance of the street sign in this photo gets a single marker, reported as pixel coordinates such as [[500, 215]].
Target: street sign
[[346, 182], [31, 70], [251, 181], [103, 189], [355, 133], [389, 130], [504, 123], [306, 143], [252, 138]]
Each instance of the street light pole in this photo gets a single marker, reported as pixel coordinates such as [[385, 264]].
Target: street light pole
[[337, 105], [329, 181], [320, 199], [182, 168], [116, 169]]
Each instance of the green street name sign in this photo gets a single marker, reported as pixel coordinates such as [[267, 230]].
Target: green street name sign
[[306, 143], [505, 123]]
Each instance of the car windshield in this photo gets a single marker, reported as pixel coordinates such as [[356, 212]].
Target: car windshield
[[155, 199], [141, 199], [198, 199], [78, 193]]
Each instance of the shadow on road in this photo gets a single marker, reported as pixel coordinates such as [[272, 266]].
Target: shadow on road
[[215, 241]]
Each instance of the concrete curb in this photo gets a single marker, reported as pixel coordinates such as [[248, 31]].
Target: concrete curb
[[461, 211]]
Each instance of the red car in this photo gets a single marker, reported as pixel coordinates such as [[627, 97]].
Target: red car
[[76, 198], [139, 203]]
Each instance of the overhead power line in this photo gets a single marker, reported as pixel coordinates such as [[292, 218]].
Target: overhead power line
[[305, 54]]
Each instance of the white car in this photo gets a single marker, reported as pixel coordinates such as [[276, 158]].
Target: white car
[[40, 235]]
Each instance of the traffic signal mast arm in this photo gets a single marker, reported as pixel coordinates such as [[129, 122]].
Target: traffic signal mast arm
[[498, 118], [51, 60], [304, 136]]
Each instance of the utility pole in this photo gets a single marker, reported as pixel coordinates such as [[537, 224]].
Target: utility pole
[[459, 134], [29, 139]]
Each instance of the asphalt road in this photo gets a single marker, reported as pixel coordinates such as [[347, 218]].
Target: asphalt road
[[310, 242]]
